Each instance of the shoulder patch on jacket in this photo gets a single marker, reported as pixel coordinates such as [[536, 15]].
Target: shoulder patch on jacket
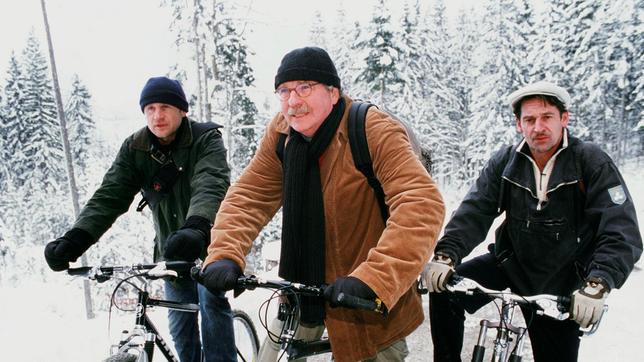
[[617, 194]]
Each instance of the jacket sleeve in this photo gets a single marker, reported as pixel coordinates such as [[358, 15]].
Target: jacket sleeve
[[249, 205], [210, 178], [416, 212], [610, 210], [472, 220], [114, 196]]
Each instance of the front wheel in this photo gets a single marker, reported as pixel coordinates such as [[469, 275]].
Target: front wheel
[[246, 339]]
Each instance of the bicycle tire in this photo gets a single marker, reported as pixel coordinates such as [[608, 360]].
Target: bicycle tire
[[246, 340], [121, 357]]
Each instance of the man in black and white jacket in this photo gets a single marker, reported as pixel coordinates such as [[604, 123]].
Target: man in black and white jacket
[[570, 229]]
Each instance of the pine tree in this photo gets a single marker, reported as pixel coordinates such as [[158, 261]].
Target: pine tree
[[318, 33], [411, 102], [13, 130], [621, 50], [81, 125], [344, 52], [223, 72], [546, 50], [500, 74], [583, 55], [232, 80], [43, 149], [380, 79], [456, 141]]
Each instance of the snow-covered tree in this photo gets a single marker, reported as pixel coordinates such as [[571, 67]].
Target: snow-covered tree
[[80, 122], [500, 74], [454, 141], [43, 148], [212, 31], [13, 130], [318, 33], [380, 80]]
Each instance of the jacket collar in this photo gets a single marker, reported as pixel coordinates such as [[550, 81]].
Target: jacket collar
[[142, 138], [519, 169]]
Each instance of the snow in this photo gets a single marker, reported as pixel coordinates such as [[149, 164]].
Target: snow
[[46, 321]]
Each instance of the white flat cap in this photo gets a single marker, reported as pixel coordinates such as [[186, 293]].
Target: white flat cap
[[540, 88]]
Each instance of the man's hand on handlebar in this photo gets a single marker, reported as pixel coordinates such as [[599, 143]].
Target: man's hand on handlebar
[[587, 303], [349, 286], [188, 242], [437, 273], [221, 275], [60, 252]]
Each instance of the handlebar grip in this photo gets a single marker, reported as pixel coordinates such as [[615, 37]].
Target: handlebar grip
[[564, 301], [195, 274], [179, 265], [350, 301], [83, 270], [454, 279]]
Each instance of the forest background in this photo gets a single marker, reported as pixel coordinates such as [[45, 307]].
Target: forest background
[[445, 69]]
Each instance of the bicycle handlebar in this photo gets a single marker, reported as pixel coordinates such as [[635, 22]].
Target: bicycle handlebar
[[347, 301], [149, 271], [553, 306]]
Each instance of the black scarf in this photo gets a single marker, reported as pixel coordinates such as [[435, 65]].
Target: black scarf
[[302, 254]]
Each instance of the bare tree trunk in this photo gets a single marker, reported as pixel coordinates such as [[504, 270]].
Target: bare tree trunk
[[200, 90], [206, 93], [68, 155]]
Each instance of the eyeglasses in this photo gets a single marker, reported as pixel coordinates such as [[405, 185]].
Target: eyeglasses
[[302, 90]]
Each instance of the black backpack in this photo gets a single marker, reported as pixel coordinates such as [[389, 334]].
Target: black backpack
[[360, 149]]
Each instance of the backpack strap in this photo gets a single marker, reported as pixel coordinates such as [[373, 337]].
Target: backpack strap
[[360, 151], [199, 128], [168, 173]]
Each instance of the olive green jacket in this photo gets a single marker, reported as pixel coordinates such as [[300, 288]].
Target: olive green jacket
[[199, 189]]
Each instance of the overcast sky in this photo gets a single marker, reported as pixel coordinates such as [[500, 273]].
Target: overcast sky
[[116, 45]]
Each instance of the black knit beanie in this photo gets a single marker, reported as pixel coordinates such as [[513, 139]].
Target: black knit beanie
[[163, 90], [309, 63]]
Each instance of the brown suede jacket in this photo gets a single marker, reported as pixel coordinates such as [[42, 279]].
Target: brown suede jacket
[[387, 258]]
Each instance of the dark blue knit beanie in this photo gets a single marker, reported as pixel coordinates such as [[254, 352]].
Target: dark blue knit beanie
[[163, 90], [309, 63]]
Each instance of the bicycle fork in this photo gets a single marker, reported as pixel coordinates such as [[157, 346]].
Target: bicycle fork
[[503, 339]]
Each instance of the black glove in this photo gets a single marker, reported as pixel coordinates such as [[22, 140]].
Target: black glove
[[188, 242], [350, 286], [221, 275], [67, 248]]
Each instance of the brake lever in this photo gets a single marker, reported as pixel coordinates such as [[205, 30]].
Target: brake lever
[[551, 309], [160, 271], [461, 285], [593, 328]]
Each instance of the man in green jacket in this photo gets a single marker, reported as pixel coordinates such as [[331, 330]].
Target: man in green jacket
[[180, 167]]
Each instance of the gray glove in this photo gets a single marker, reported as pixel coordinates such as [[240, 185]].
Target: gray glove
[[587, 303], [437, 273]]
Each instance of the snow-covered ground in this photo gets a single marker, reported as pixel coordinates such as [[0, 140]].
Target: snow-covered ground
[[46, 321]]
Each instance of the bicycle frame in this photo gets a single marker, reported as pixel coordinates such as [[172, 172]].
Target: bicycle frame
[[145, 334], [147, 330]]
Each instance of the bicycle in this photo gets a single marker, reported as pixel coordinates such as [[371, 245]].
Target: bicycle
[[289, 313], [137, 344], [507, 334]]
